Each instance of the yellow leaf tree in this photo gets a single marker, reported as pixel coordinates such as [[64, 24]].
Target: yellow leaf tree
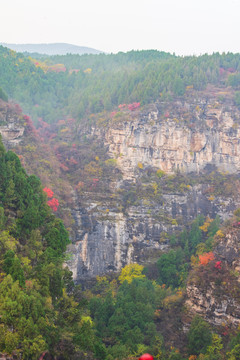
[[130, 272]]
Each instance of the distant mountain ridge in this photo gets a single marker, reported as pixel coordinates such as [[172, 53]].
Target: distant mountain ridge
[[52, 49]]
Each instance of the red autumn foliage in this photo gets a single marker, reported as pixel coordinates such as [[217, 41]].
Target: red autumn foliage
[[131, 107], [218, 265], [206, 258], [134, 106], [166, 115], [56, 68], [49, 192], [53, 203], [29, 125]]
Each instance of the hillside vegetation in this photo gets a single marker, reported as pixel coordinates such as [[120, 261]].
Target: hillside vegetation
[[52, 88], [142, 310]]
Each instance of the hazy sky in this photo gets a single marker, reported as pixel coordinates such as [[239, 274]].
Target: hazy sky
[[180, 26]]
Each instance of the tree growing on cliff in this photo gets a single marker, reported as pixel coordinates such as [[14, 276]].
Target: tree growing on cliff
[[199, 336], [205, 258]]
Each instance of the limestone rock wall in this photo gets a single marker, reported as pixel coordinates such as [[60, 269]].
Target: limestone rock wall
[[106, 242], [188, 137], [210, 135]]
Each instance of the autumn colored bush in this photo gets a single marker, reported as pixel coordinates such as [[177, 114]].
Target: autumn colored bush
[[49, 192], [218, 265], [205, 258], [30, 126], [53, 203], [134, 106]]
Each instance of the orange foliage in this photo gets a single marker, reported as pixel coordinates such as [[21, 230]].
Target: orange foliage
[[206, 257]]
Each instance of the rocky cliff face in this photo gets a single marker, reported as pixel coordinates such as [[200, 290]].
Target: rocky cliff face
[[107, 241], [215, 293], [185, 137], [11, 126]]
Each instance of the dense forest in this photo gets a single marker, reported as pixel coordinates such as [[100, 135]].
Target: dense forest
[[53, 87]]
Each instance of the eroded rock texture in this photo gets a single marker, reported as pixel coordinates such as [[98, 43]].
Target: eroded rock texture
[[186, 137], [215, 293]]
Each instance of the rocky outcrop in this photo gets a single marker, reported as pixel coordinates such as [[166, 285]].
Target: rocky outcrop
[[218, 310], [107, 239], [185, 138], [215, 293], [11, 127]]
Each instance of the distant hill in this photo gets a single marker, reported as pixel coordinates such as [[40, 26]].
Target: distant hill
[[52, 49]]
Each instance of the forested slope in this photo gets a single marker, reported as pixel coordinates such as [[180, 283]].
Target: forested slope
[[139, 309], [36, 314], [54, 87]]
